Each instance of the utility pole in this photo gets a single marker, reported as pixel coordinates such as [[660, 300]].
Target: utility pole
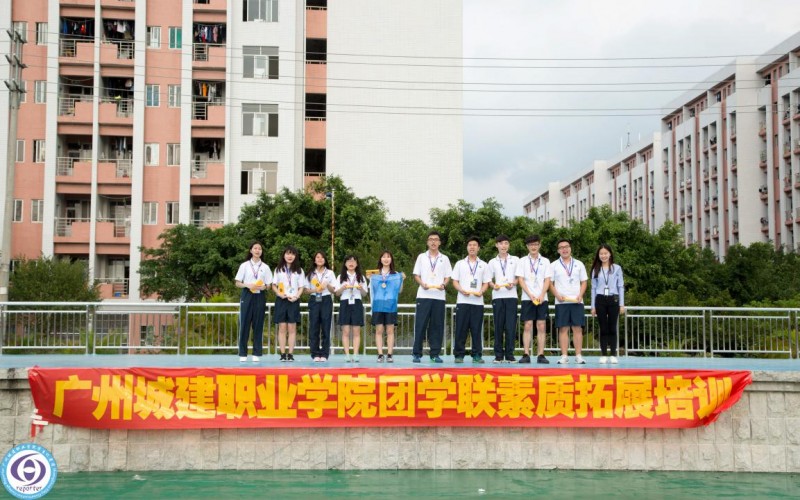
[[15, 91]]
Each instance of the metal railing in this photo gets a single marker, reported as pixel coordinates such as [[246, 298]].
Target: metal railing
[[200, 51], [64, 225], [66, 103], [180, 328], [65, 166], [199, 169], [124, 106], [200, 109], [125, 49], [207, 222]]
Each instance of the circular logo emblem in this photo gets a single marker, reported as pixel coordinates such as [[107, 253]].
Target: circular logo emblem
[[29, 471]]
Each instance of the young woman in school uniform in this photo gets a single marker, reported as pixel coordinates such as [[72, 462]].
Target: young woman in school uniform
[[253, 277], [288, 285], [352, 288], [384, 288], [320, 282]]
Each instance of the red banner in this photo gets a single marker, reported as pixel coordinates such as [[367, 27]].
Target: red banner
[[182, 398]]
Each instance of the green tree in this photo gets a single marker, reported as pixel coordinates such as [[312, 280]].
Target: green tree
[[51, 280]]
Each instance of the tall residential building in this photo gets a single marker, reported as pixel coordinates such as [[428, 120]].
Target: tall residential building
[[725, 164], [142, 114]]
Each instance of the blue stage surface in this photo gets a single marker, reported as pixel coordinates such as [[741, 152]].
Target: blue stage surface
[[402, 361]]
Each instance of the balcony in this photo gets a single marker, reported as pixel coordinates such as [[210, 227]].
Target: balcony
[[735, 227], [666, 192], [209, 114], [76, 52], [789, 219], [316, 22], [733, 165], [113, 231], [208, 56], [763, 160], [787, 184], [116, 111], [207, 222], [73, 176], [764, 225], [114, 177], [73, 108], [208, 178], [315, 134], [797, 215], [762, 130], [734, 195], [317, 78], [117, 53], [71, 235], [113, 288]]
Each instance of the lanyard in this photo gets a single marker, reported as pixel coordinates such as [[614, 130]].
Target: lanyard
[[535, 270], [503, 265], [606, 275], [255, 269], [471, 270], [571, 264], [433, 263]]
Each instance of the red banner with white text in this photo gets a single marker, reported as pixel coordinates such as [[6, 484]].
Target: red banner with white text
[[186, 398]]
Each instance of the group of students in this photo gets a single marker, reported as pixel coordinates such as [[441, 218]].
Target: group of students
[[565, 278], [290, 282]]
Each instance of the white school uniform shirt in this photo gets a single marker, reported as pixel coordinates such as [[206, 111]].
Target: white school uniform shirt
[[568, 284], [463, 273], [326, 275], [534, 272], [292, 282], [250, 272], [350, 279], [502, 275], [432, 271]]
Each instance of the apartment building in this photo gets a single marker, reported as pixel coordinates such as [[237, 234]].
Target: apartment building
[[724, 165], [143, 114]]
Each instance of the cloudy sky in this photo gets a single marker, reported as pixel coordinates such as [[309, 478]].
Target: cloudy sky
[[514, 157]]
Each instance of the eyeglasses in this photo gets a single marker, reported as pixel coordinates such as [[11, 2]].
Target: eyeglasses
[[562, 247], [433, 239]]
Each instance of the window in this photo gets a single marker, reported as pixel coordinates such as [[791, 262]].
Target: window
[[150, 213], [153, 37], [21, 27], [20, 150], [38, 150], [37, 209], [41, 33], [173, 154], [260, 10], [151, 154], [260, 62], [17, 213], [174, 96], [260, 119], [259, 176], [40, 91], [152, 97], [173, 209], [175, 37]]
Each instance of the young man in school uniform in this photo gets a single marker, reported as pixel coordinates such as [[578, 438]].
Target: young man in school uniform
[[432, 272], [503, 269], [568, 287], [470, 279], [535, 274]]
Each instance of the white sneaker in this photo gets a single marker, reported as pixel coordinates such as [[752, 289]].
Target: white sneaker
[[243, 359], [603, 360], [256, 359], [563, 360], [614, 360], [355, 358], [348, 358], [579, 359]]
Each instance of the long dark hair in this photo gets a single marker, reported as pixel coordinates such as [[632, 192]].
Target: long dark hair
[[295, 266], [597, 264], [313, 266], [343, 273], [391, 264], [250, 249]]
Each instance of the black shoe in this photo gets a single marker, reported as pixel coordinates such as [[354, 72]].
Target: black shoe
[[289, 357], [389, 358], [380, 358], [283, 357], [525, 359], [498, 359], [459, 359], [511, 359], [542, 360]]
